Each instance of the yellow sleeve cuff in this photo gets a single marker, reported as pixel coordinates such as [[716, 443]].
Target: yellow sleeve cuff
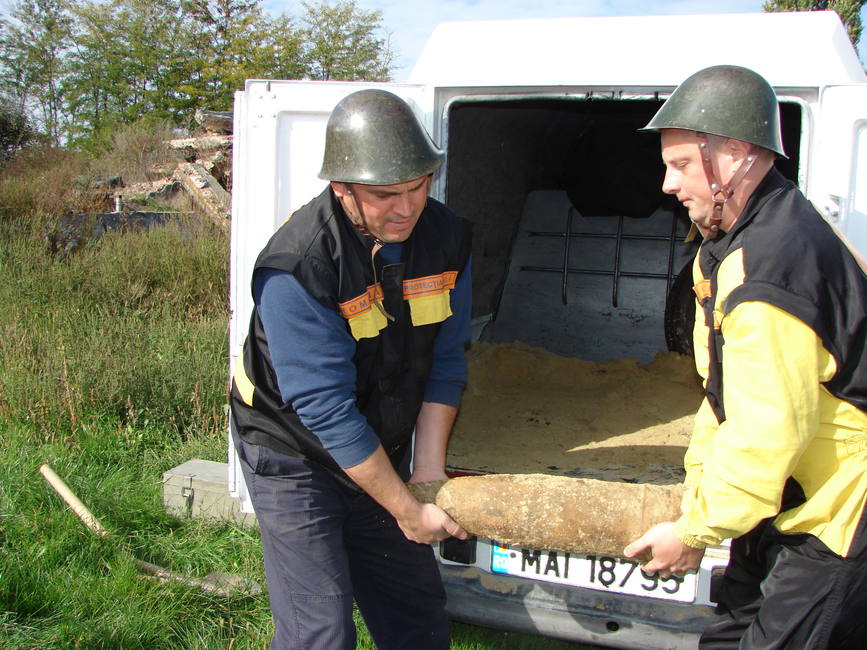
[[693, 541]]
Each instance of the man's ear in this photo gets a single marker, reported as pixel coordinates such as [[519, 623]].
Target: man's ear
[[340, 189], [737, 149]]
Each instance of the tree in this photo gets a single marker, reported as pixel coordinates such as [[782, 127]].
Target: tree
[[167, 58], [848, 10], [79, 68], [341, 43], [228, 40], [129, 56], [282, 52], [32, 50]]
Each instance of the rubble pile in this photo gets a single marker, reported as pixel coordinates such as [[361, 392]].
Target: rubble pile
[[204, 172]]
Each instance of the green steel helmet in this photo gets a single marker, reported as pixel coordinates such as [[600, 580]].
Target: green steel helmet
[[724, 100], [374, 138]]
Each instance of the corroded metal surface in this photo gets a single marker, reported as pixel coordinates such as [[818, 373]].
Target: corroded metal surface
[[557, 513]]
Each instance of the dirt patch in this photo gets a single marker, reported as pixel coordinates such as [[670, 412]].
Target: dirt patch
[[526, 410]]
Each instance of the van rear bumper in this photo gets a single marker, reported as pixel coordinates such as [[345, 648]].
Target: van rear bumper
[[518, 604], [570, 613]]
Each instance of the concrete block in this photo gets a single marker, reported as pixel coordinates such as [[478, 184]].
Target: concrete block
[[199, 489]]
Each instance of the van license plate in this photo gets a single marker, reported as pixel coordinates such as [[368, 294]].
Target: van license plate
[[591, 571]]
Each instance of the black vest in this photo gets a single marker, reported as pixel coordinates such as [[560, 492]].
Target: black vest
[[331, 259], [794, 261]]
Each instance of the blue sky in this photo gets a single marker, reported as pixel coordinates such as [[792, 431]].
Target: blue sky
[[410, 22]]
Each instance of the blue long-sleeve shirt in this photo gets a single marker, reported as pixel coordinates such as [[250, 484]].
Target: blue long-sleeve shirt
[[311, 351]]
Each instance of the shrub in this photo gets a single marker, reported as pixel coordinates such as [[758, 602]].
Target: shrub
[[136, 152], [15, 129], [40, 184]]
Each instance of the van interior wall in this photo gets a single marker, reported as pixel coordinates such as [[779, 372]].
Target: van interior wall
[[500, 151], [591, 152], [586, 153]]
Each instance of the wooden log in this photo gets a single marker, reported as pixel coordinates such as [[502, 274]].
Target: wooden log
[[555, 513]]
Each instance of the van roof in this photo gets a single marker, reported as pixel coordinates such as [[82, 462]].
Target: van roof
[[793, 49]]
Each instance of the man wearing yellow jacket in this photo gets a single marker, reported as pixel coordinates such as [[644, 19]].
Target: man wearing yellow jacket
[[778, 457]]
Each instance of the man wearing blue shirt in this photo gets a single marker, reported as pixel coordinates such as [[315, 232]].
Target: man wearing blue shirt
[[353, 370]]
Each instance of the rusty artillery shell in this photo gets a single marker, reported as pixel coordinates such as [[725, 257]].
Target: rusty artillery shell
[[556, 513]]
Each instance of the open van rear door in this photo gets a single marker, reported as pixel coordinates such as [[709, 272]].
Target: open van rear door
[[841, 162], [279, 139]]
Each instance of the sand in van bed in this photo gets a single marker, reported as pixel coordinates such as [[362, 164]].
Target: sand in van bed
[[526, 410]]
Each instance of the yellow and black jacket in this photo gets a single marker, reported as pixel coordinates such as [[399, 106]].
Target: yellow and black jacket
[[331, 260], [781, 340]]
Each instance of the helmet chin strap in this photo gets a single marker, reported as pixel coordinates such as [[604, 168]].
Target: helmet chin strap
[[361, 223], [709, 146]]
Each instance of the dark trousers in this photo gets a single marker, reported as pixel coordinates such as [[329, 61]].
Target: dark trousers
[[326, 545], [791, 591]]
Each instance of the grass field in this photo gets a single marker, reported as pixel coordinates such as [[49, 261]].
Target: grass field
[[113, 370], [61, 586]]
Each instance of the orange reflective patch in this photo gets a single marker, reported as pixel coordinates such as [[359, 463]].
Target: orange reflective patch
[[362, 303], [416, 288], [429, 285], [702, 290]]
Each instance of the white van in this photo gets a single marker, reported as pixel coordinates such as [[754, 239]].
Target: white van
[[541, 116]]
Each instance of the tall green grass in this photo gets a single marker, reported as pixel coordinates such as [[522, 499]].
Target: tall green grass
[[62, 586], [132, 328], [113, 369]]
